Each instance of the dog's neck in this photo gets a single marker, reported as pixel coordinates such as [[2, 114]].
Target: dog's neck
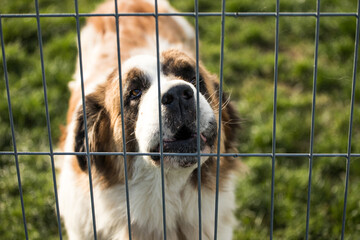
[[173, 178]]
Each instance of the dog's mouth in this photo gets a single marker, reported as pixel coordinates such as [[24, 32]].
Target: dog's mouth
[[184, 141]]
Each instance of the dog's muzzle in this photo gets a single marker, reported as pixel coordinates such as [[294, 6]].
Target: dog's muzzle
[[179, 108]]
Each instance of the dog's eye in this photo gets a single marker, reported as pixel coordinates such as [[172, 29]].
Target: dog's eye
[[135, 93]]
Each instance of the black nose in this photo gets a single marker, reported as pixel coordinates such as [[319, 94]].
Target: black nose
[[180, 97], [179, 107]]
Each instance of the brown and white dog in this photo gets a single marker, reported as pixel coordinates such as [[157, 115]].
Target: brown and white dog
[[141, 119]]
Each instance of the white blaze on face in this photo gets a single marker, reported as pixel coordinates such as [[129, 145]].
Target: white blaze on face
[[147, 130]]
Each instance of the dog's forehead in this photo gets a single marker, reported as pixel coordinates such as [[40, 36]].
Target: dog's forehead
[[171, 65], [145, 63]]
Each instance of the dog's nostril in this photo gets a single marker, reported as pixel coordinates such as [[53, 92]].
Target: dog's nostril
[[167, 99], [187, 94]]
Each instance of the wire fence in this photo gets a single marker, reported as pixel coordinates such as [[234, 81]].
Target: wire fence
[[196, 15]]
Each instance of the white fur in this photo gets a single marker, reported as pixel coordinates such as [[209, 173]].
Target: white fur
[[145, 206]]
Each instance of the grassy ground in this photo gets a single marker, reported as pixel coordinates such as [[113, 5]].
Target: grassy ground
[[248, 75]]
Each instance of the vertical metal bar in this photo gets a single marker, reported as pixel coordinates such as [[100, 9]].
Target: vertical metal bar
[[160, 120], [313, 115], [221, 77], [13, 130], [273, 157], [85, 118], [122, 119], [351, 121], [47, 115], [198, 113]]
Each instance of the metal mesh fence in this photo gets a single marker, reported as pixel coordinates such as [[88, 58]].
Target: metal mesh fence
[[196, 15]]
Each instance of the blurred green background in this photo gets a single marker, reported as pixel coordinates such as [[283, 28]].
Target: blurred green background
[[248, 76]]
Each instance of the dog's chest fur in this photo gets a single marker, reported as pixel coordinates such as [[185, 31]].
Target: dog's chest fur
[[146, 208]]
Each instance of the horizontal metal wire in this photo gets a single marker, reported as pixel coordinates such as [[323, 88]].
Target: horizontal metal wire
[[184, 14], [345, 155]]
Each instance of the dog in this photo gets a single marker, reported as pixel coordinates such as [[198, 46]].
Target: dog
[[178, 100]]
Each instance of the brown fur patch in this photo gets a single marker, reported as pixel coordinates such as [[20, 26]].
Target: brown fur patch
[[134, 31], [104, 135]]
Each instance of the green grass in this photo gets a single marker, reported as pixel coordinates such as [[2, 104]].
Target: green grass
[[249, 77]]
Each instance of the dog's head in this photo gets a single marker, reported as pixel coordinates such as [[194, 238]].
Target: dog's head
[[178, 100]]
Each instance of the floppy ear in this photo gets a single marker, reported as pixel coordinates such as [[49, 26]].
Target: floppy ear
[[99, 133]]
